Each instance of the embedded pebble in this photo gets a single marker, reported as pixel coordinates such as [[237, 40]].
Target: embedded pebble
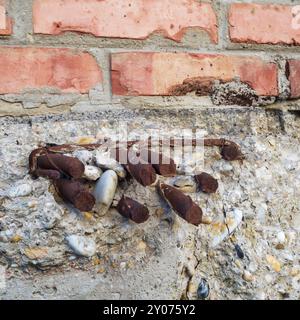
[[203, 289], [274, 263], [280, 240], [103, 160], [92, 173], [105, 190], [51, 214], [20, 190], [142, 245], [81, 245], [191, 290], [84, 156], [16, 238], [247, 276], [206, 220], [281, 237], [86, 140], [239, 251], [32, 204], [36, 253], [221, 229], [6, 236], [185, 184], [295, 271]]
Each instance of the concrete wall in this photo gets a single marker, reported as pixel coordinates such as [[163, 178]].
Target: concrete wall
[[73, 71]]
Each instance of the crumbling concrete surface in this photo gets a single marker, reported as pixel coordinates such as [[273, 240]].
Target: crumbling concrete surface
[[165, 257]]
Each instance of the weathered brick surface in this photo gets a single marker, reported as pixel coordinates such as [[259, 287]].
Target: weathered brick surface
[[64, 69], [154, 67], [164, 73], [124, 19], [5, 22], [264, 23], [294, 77]]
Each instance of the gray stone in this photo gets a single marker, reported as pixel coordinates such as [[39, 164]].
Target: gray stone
[[82, 245]]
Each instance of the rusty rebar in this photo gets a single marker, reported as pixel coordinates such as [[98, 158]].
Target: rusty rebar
[[75, 193], [163, 165], [182, 204], [48, 173], [133, 210], [232, 152], [207, 183], [143, 173], [70, 166], [208, 142]]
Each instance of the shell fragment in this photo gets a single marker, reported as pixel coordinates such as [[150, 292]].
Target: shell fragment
[[221, 229]]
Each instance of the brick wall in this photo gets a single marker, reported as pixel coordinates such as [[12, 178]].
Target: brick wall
[[83, 53]]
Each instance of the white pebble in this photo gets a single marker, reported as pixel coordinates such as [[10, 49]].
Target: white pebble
[[84, 156], [281, 237], [104, 160], [247, 276], [81, 245], [226, 167], [21, 190], [105, 188], [92, 173]]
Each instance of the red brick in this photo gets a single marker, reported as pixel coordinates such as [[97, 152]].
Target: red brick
[[264, 23], [143, 73], [294, 77], [30, 68], [5, 22], [124, 19]]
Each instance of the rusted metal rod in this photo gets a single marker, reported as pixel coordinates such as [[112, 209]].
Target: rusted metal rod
[[207, 142], [207, 183], [182, 204], [75, 193], [163, 165], [142, 173], [133, 210], [47, 173], [67, 165]]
